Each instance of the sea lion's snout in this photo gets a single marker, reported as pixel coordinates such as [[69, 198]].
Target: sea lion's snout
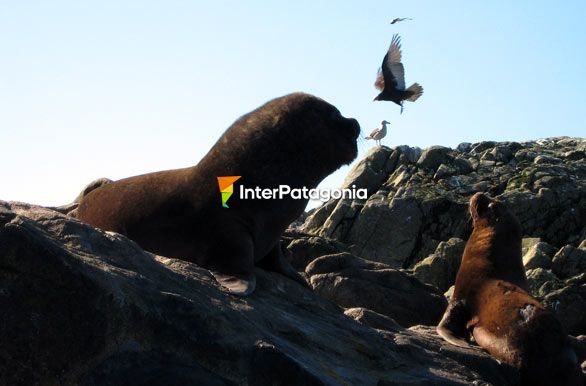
[[353, 127]]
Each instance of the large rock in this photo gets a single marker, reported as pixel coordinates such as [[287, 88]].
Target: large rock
[[80, 306], [569, 262], [569, 304], [352, 282], [440, 268], [539, 255]]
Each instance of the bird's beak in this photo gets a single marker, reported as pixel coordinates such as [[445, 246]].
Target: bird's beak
[[375, 98]]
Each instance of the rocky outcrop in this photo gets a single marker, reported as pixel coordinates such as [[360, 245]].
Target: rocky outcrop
[[415, 217], [81, 306], [417, 199], [350, 282]]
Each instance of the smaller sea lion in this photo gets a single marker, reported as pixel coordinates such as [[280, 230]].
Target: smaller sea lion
[[491, 301]]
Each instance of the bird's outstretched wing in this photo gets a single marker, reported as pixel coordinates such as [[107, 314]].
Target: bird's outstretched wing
[[392, 68], [394, 53], [398, 19]]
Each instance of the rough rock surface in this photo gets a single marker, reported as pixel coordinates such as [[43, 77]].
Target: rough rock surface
[[416, 211], [81, 306], [415, 203], [440, 268], [350, 281]]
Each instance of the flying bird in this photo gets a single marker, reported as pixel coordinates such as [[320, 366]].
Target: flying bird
[[379, 133], [390, 79], [399, 19]]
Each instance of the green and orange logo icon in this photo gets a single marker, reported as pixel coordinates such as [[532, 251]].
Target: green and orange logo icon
[[227, 188]]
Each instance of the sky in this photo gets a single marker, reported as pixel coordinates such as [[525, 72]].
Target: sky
[[120, 88]]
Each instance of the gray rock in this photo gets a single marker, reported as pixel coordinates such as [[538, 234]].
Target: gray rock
[[373, 319], [478, 148], [546, 159], [538, 256], [305, 248], [542, 282], [464, 147], [385, 231], [411, 154], [528, 242], [440, 268], [352, 282], [569, 262], [569, 303], [82, 306], [433, 157]]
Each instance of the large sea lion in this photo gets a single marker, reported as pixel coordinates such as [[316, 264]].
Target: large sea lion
[[295, 140], [491, 301]]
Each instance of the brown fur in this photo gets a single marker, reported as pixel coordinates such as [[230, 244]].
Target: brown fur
[[492, 302], [295, 140]]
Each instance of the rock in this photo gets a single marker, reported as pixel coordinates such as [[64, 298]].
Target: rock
[[372, 169], [542, 282], [433, 157], [574, 155], [539, 256], [372, 319], [440, 268], [464, 147], [527, 243], [569, 303], [87, 307], [350, 282], [545, 159], [448, 294], [305, 248], [410, 154], [569, 262], [384, 231], [482, 146]]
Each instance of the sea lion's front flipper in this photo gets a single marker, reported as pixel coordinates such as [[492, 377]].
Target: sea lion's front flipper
[[232, 263], [452, 327], [239, 286], [276, 261]]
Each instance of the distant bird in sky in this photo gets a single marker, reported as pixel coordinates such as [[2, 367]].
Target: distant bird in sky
[[399, 19], [379, 133], [390, 79]]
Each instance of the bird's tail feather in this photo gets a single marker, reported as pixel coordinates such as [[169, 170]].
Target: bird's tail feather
[[415, 91]]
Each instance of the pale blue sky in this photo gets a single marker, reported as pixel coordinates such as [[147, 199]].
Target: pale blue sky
[[119, 88]]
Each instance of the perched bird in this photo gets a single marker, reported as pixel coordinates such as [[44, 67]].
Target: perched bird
[[399, 19], [379, 133], [390, 79]]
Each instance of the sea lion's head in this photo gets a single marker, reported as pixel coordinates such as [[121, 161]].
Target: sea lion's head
[[294, 137], [318, 128], [487, 211]]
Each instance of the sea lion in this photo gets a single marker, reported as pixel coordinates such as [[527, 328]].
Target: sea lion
[[295, 140], [491, 301]]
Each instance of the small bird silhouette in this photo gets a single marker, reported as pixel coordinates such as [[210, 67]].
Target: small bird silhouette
[[390, 79], [399, 19], [379, 133]]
